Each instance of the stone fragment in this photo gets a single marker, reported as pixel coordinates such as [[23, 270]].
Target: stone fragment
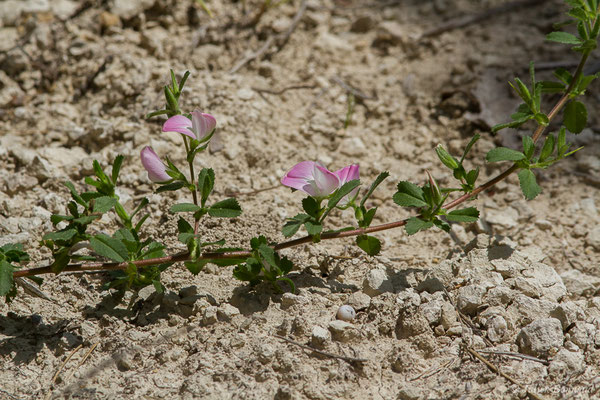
[[342, 331], [226, 312], [566, 363], [376, 282], [580, 284], [359, 300], [593, 237], [469, 298], [319, 336], [540, 337], [288, 300]]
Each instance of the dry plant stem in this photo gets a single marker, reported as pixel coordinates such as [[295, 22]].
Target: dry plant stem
[[307, 239]]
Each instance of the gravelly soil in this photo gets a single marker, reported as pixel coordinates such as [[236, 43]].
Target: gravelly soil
[[77, 78]]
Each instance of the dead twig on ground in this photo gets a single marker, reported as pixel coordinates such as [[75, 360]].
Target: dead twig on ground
[[433, 371], [279, 40], [463, 21], [323, 353], [285, 89], [495, 369], [515, 355], [87, 355], [8, 394], [352, 90], [60, 369]]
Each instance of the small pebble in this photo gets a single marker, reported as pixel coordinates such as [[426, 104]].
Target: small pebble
[[346, 313]]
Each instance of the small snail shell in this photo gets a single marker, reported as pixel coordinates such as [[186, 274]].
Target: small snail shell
[[346, 313]]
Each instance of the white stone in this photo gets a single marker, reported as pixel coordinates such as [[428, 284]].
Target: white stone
[[376, 282], [319, 336], [540, 337]]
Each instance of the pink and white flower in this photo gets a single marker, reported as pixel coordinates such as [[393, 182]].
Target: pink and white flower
[[157, 171], [199, 127], [315, 180]]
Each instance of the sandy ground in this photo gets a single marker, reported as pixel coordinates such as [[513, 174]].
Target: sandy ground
[[77, 78]]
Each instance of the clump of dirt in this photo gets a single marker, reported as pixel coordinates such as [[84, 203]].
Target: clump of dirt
[[519, 288]]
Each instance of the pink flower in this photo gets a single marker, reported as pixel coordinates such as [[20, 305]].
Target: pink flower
[[348, 174], [311, 178], [155, 167], [199, 127]]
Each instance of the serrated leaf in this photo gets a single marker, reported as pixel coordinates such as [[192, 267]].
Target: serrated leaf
[[528, 184], [369, 244], [548, 148], [195, 266], [6, 277], [409, 195], [291, 227], [109, 247], [414, 225], [368, 217], [310, 205], [342, 192], [184, 207], [503, 154], [470, 214], [55, 218], [575, 116], [86, 219], [563, 75], [380, 178], [63, 235], [75, 195], [443, 225], [228, 208], [183, 226], [312, 228], [563, 37], [206, 183], [103, 204], [170, 187], [528, 146]]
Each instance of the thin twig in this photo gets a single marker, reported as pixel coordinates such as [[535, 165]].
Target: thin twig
[[8, 394], [285, 89], [471, 19], [350, 89], [323, 353], [87, 355], [279, 40], [433, 371], [495, 369], [62, 366], [515, 355]]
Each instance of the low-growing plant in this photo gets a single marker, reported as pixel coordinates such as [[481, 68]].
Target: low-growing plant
[[138, 261]]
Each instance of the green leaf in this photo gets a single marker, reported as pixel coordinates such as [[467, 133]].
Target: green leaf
[[542, 119], [310, 205], [528, 183], [548, 148], [552, 87], [313, 228], [109, 247], [170, 187], [206, 183], [100, 172], [195, 266], [228, 208], [183, 226], [380, 178], [563, 75], [562, 142], [116, 168], [409, 195], [522, 91], [6, 277], [184, 207], [75, 195], [528, 146], [470, 214], [62, 235], [473, 140], [341, 192], [156, 113], [563, 37], [104, 203], [575, 116], [446, 158], [503, 154], [291, 227], [368, 217], [520, 120], [443, 225], [55, 218], [370, 244], [415, 224]]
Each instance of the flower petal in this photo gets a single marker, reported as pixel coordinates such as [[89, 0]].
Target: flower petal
[[299, 175], [348, 173], [202, 124], [326, 182], [152, 163], [179, 123]]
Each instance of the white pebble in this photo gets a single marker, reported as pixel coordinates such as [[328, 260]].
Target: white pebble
[[346, 313]]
